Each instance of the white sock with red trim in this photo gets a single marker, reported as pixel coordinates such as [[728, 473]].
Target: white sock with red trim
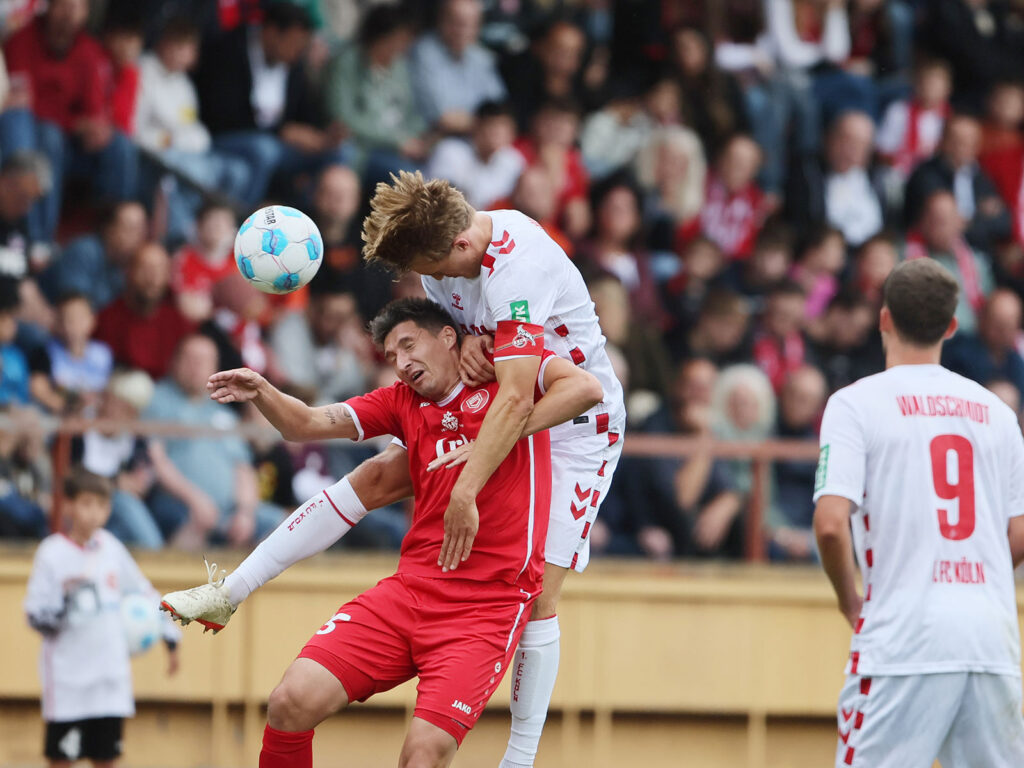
[[311, 528], [535, 667]]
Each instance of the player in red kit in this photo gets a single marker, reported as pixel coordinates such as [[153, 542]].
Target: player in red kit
[[453, 629]]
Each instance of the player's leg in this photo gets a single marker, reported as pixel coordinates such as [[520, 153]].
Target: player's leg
[[427, 746], [101, 740], [306, 695], [311, 528], [895, 721], [988, 729], [582, 469]]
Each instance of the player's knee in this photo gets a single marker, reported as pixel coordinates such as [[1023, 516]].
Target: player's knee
[[425, 753], [289, 708]]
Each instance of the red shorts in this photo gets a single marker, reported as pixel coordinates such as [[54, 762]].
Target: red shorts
[[458, 636]]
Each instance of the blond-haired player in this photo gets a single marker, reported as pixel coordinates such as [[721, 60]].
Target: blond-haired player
[[927, 469], [514, 293]]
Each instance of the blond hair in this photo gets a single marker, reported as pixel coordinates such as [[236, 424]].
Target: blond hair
[[686, 196], [412, 217]]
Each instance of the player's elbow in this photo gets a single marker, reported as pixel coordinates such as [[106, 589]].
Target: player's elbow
[[520, 405], [591, 391], [829, 526]]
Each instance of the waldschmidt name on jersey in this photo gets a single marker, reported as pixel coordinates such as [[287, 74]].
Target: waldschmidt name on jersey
[[935, 466]]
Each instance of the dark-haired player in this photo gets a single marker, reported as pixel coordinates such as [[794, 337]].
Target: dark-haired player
[[927, 468], [453, 629]]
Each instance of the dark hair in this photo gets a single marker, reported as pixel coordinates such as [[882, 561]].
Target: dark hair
[[179, 29], [79, 480], [921, 296], [849, 299], [787, 287], [817, 236], [563, 104], [284, 16], [127, 21], [425, 313], [109, 213], [212, 204], [775, 234], [722, 302], [489, 109], [75, 295], [382, 20]]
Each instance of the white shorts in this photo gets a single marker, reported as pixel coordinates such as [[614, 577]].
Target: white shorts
[[581, 471], [960, 718]]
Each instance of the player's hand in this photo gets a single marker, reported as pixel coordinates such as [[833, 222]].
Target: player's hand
[[203, 511], [711, 527], [656, 542], [239, 385], [461, 522], [452, 459], [475, 369], [173, 661]]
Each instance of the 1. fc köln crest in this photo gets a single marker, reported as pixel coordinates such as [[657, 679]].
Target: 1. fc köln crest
[[450, 422]]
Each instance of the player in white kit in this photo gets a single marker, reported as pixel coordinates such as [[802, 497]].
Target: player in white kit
[[501, 276], [513, 291], [927, 470]]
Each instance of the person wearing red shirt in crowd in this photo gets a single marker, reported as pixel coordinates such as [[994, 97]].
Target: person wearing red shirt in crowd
[[201, 263], [122, 39], [59, 83], [734, 206], [454, 626], [552, 145], [779, 347], [143, 326]]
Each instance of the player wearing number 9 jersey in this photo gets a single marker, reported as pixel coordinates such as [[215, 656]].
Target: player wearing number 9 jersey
[[926, 468]]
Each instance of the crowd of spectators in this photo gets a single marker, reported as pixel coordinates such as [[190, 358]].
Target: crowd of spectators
[[734, 179]]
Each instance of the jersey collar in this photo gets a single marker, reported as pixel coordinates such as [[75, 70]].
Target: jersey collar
[[451, 395]]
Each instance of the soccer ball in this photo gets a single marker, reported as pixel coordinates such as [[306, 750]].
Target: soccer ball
[[278, 249], [140, 618]]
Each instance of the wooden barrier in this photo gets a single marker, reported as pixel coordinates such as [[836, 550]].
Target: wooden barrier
[[662, 665]]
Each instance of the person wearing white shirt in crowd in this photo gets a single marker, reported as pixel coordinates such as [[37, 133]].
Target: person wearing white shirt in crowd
[[486, 168], [167, 114]]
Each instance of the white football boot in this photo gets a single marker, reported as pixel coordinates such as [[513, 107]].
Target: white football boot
[[208, 604]]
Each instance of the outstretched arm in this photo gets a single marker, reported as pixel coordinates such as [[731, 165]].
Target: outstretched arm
[[568, 392], [296, 421]]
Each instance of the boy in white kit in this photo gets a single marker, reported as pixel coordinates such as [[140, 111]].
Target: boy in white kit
[[927, 469], [74, 595]]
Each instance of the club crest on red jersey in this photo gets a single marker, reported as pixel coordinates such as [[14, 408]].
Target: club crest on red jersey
[[476, 401], [450, 422]]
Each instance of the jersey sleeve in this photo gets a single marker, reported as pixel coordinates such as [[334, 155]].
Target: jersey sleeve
[[377, 412], [519, 294], [842, 458], [44, 600]]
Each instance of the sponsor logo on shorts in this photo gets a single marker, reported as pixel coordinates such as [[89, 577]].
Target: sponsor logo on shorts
[[476, 401], [464, 708]]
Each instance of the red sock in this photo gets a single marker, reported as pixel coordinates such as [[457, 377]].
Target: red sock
[[282, 749]]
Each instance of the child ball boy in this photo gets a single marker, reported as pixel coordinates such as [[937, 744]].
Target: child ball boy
[[74, 593]]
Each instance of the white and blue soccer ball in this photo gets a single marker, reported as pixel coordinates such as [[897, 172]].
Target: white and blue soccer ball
[[140, 619], [278, 249]]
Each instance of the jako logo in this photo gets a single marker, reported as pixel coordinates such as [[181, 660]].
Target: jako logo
[[465, 708]]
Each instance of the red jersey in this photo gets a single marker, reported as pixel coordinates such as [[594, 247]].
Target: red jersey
[[65, 88], [730, 220], [513, 505]]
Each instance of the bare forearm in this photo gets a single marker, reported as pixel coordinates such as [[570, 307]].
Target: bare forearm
[[836, 549], [565, 399], [299, 422], [691, 480], [502, 427]]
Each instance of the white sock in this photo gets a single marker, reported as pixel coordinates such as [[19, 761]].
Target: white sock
[[311, 528], [534, 671]]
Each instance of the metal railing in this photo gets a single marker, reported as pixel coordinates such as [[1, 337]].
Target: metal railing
[[760, 454]]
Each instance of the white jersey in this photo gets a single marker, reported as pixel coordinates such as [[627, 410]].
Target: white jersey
[[935, 466], [84, 666], [527, 278]]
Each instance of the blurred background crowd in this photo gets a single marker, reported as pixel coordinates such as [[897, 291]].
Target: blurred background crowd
[[734, 179]]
